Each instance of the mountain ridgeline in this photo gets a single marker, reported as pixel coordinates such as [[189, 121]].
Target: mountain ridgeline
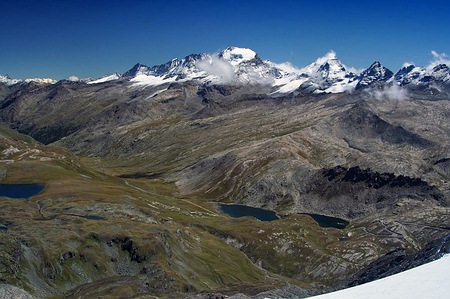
[[134, 165], [244, 66]]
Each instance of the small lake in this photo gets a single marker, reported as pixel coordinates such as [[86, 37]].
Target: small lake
[[327, 221], [237, 211], [20, 190], [89, 217]]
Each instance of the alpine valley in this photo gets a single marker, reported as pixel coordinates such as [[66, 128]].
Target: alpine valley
[[135, 165]]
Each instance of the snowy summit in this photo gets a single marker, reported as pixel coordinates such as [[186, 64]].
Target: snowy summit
[[237, 55]]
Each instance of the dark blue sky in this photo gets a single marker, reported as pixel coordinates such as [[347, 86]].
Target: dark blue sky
[[58, 39]]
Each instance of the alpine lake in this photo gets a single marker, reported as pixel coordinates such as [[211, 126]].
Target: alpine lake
[[236, 211]]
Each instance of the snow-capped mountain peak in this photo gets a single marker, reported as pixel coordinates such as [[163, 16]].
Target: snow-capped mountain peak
[[441, 72], [8, 81], [137, 69], [236, 65], [326, 74], [237, 55], [375, 73], [327, 68], [421, 76]]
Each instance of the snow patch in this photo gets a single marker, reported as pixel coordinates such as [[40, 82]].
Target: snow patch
[[291, 85], [342, 86], [238, 55], [426, 281], [107, 78], [151, 80], [155, 93]]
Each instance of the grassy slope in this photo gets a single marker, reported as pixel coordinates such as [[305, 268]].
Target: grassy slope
[[152, 241], [168, 254]]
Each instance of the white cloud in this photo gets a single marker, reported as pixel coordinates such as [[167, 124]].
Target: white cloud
[[391, 92], [217, 67], [74, 78], [438, 59], [354, 70], [287, 67], [329, 56]]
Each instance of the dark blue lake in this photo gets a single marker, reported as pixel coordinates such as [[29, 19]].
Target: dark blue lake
[[237, 211], [327, 221], [89, 217], [20, 190]]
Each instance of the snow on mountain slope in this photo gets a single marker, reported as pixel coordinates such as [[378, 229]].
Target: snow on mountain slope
[[375, 73], [237, 55], [426, 281], [106, 78], [326, 74], [441, 73], [8, 81], [326, 67], [151, 80], [243, 66], [411, 74]]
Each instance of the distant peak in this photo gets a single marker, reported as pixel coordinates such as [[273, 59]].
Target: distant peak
[[238, 54], [441, 67], [376, 64], [135, 70], [408, 65]]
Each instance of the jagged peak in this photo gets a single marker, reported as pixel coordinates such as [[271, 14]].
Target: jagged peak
[[440, 67], [377, 67], [376, 64], [326, 62], [408, 65], [6, 79], [135, 70]]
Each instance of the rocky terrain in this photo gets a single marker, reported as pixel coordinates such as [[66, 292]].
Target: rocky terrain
[[132, 170]]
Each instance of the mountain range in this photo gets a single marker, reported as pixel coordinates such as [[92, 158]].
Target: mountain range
[[135, 167], [244, 66]]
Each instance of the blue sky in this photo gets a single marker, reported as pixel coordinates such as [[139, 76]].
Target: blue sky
[[58, 39]]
